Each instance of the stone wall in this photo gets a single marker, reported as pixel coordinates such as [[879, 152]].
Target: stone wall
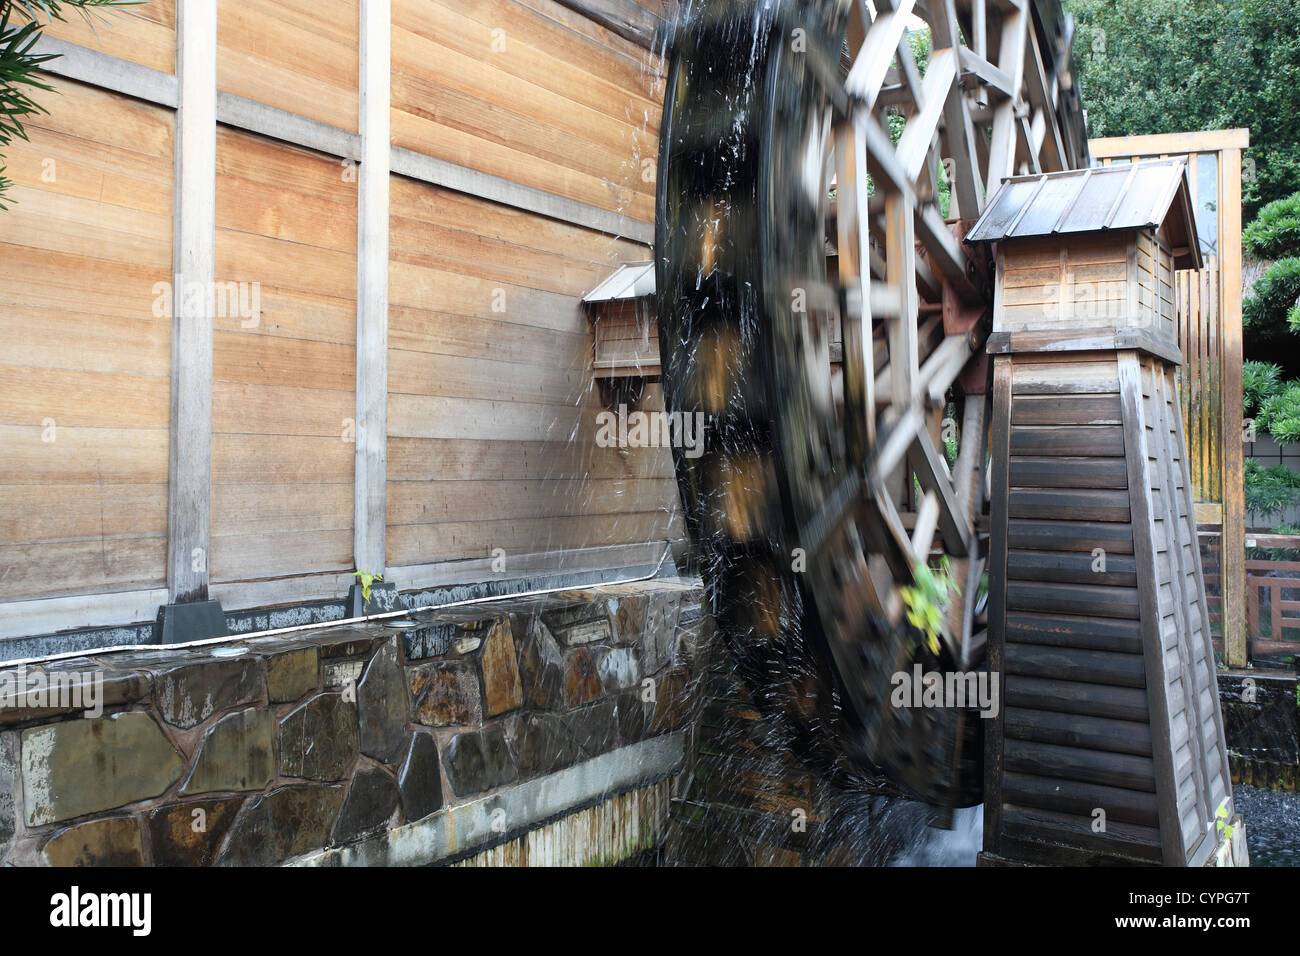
[[1261, 720], [470, 736]]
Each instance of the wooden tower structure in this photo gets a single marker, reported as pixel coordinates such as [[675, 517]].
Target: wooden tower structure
[[1109, 744]]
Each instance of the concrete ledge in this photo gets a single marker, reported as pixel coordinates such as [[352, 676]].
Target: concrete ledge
[[463, 829]]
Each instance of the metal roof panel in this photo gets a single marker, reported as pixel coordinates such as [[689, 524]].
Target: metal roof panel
[[1118, 197]]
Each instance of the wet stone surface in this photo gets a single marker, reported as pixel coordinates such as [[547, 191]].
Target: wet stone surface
[[319, 740], [237, 753], [446, 694], [541, 665], [420, 782], [283, 823], [581, 677], [500, 669], [188, 695], [543, 744], [381, 705], [594, 729], [479, 760], [188, 834], [292, 674], [84, 766], [112, 842], [370, 802]]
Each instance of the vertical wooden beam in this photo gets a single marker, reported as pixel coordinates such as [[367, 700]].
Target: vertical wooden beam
[[1136, 456], [1232, 572], [370, 491], [189, 465], [1000, 483]]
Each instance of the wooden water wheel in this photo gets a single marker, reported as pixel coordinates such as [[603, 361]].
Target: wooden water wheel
[[817, 306]]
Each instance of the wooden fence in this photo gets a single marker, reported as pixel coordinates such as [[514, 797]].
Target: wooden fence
[[1272, 592], [1200, 378]]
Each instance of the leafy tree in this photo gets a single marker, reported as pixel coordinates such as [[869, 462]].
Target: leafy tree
[[1268, 313], [1160, 66], [1275, 232], [21, 22]]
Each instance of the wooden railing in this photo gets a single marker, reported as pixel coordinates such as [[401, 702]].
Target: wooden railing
[[1272, 592]]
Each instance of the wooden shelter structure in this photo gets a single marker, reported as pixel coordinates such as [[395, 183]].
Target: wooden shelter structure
[[1099, 629], [1208, 309]]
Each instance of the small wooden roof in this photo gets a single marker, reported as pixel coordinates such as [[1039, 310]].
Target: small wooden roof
[[1130, 196]]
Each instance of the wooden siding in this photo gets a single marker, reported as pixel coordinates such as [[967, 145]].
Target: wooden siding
[[296, 55], [143, 33], [83, 246], [283, 381], [512, 89], [1105, 653], [1075, 725], [492, 404]]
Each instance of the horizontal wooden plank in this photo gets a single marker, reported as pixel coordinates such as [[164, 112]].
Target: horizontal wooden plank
[[292, 54], [1076, 697], [1064, 472], [421, 544], [1066, 410], [1101, 601], [1074, 763], [1100, 441], [1046, 793], [1075, 664], [455, 501], [1069, 375], [144, 33], [1075, 503], [1072, 567], [82, 456], [1042, 827], [244, 557], [1064, 630], [1073, 730], [44, 513], [1070, 536], [418, 459], [52, 568]]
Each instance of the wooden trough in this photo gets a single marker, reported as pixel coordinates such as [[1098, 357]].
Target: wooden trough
[[1109, 745]]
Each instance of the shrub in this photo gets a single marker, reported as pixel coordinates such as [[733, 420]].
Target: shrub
[[1280, 414], [1272, 296], [1270, 490], [1275, 232], [1260, 381]]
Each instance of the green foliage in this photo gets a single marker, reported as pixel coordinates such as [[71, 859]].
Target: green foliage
[[1161, 66], [1270, 490], [1264, 313], [21, 22], [366, 579], [1260, 381], [928, 599], [1275, 232], [1221, 821], [1280, 415]]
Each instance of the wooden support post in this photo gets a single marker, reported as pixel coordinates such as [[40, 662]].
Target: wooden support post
[[370, 491], [193, 257], [1233, 555]]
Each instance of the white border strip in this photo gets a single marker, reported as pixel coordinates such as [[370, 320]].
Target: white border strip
[[467, 827]]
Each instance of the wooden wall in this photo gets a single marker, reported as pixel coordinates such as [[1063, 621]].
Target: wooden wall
[[530, 92], [491, 401], [283, 381], [84, 372], [492, 405]]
